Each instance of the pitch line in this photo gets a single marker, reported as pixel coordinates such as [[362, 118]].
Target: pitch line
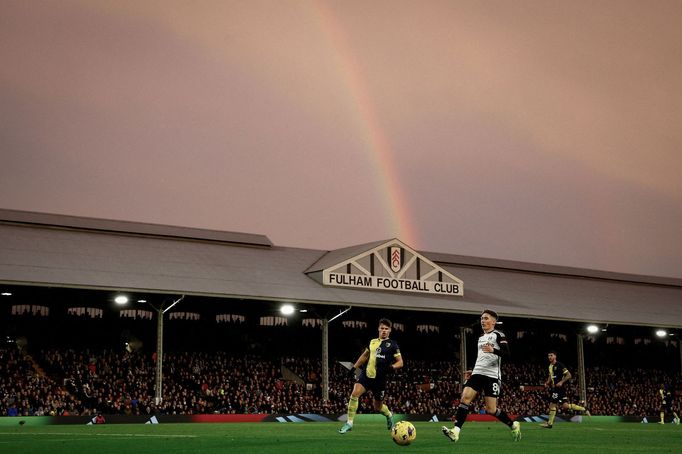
[[99, 435]]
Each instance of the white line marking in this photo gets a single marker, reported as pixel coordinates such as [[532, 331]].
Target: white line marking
[[99, 435]]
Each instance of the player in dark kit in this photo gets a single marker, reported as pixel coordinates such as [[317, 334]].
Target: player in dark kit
[[486, 378], [558, 376], [667, 404], [381, 357]]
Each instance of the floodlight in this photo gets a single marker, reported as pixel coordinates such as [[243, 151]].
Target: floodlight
[[121, 299], [661, 333], [287, 309], [592, 329]]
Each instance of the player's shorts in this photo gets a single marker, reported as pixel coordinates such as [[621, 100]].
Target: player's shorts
[[556, 395], [488, 386], [376, 385]]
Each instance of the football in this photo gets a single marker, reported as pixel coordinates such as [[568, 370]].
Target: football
[[403, 433]]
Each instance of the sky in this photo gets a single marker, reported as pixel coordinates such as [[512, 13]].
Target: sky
[[535, 131]]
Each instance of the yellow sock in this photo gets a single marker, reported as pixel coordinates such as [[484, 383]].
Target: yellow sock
[[662, 417], [552, 414], [385, 411], [352, 409], [576, 407]]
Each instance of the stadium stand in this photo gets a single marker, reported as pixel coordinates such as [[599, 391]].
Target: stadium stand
[[87, 381]]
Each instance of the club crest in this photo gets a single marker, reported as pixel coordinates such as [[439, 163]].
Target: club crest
[[396, 259]]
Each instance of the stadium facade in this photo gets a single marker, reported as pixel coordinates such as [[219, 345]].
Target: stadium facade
[[47, 250]]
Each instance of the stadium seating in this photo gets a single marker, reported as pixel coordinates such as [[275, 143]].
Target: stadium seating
[[87, 381]]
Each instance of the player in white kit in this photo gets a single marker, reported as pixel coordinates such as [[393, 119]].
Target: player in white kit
[[486, 378]]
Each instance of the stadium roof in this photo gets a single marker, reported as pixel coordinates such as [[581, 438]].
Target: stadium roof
[[66, 251]]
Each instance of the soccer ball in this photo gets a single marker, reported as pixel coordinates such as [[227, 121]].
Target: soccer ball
[[403, 433]]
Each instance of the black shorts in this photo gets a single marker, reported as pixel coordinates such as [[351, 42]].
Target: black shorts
[[488, 386], [376, 385], [556, 395]]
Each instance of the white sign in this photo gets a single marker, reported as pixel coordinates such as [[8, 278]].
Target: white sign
[[390, 283]]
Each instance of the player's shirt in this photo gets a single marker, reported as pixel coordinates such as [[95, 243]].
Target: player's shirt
[[382, 354], [666, 397], [556, 372], [489, 364]]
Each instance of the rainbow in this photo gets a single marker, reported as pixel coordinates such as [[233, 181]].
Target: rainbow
[[399, 219]]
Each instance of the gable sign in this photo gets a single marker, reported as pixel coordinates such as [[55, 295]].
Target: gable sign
[[393, 266]]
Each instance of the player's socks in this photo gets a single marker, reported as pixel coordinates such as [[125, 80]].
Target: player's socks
[[460, 418], [503, 417], [389, 416], [552, 415], [576, 407], [662, 421], [352, 409], [461, 415]]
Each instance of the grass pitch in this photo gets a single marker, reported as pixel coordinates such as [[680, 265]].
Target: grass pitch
[[322, 438]]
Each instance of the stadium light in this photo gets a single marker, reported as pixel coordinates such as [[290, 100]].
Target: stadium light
[[592, 329], [287, 309], [121, 299], [661, 333], [6, 294]]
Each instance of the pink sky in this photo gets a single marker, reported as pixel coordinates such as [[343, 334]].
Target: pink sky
[[534, 131]]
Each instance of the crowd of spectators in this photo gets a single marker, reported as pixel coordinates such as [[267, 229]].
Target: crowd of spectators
[[90, 381], [25, 391]]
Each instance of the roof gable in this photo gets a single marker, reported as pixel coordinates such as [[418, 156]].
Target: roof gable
[[387, 265]]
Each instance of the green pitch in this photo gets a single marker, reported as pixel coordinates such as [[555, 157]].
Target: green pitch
[[322, 438]]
